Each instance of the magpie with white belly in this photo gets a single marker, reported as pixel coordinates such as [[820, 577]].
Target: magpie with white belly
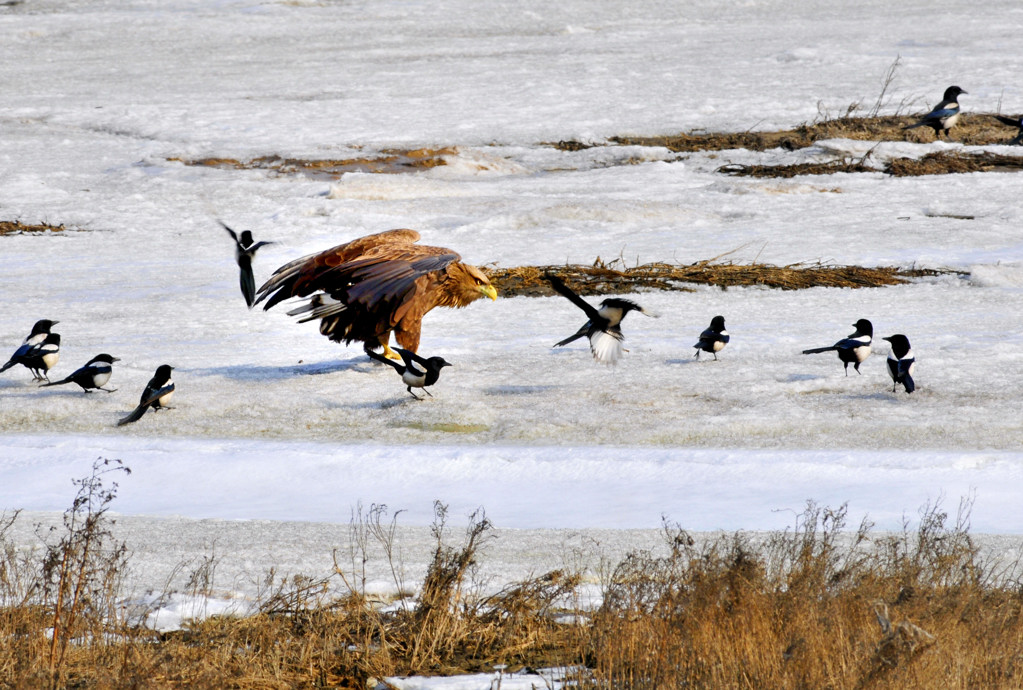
[[31, 347], [603, 329], [901, 362], [244, 253], [713, 339], [157, 394], [945, 114], [410, 375], [93, 375], [41, 359], [853, 349]]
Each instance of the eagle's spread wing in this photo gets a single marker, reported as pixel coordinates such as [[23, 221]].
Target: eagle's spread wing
[[365, 288]]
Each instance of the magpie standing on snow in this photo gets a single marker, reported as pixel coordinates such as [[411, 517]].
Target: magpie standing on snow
[[604, 325], [31, 347], [157, 394], [945, 114], [713, 339], [1016, 122], [853, 349], [40, 360], [410, 376], [91, 376], [244, 253], [901, 362]]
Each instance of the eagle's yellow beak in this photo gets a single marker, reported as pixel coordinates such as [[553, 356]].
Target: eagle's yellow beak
[[490, 291]]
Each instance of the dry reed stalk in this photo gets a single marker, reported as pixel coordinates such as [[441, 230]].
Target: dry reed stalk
[[616, 278]]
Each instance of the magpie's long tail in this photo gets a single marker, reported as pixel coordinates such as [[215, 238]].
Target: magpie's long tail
[[818, 350], [907, 381], [566, 341], [248, 285], [135, 415], [57, 383], [398, 366], [7, 366]]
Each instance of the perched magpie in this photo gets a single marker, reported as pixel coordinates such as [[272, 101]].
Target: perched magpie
[[93, 375], [1016, 122], [901, 362], [945, 114], [714, 338], [157, 394], [31, 346], [244, 253], [853, 349], [604, 325], [410, 376]]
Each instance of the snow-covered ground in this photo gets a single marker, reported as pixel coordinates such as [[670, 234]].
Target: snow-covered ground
[[274, 423]]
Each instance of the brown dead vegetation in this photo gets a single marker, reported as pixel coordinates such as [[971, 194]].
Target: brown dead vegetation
[[16, 227], [389, 161], [615, 278], [815, 606], [944, 163], [938, 163], [786, 171], [973, 129]]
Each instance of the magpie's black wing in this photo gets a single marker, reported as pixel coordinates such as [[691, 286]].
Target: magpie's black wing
[[231, 232], [149, 397], [560, 287], [411, 357]]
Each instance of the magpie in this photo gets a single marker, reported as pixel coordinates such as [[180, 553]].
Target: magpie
[[714, 338], [1016, 122], [411, 376], [244, 253], [945, 114], [31, 346], [43, 358], [157, 394], [853, 349], [94, 374], [901, 362], [603, 329]]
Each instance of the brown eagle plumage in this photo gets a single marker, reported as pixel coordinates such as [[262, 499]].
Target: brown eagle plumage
[[365, 289]]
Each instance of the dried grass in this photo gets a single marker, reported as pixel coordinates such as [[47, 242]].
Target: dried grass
[[973, 129], [945, 163], [787, 171], [615, 278], [16, 227], [389, 161], [816, 606]]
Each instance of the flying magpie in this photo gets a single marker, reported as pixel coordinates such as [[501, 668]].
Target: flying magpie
[[157, 394], [853, 349], [244, 253], [93, 375], [713, 339], [31, 346], [901, 362], [410, 376], [604, 325], [945, 114], [1016, 122]]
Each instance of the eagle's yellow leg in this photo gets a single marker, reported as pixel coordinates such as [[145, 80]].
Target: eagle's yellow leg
[[391, 354]]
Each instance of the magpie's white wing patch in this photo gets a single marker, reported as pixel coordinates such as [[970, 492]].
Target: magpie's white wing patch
[[606, 346]]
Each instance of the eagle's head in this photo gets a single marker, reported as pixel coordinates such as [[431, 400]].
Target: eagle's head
[[464, 284]]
